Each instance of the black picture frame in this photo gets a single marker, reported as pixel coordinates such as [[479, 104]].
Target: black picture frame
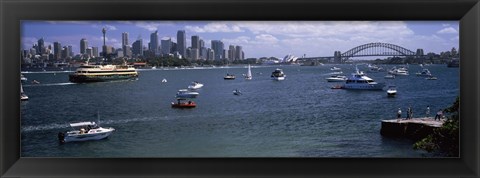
[[13, 11]]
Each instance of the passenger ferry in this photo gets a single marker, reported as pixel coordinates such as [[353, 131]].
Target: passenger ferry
[[101, 73], [358, 81]]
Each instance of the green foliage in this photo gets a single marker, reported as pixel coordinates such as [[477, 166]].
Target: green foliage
[[444, 140]]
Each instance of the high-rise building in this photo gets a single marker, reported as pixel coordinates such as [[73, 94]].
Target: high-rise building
[[238, 53], [154, 42], [210, 54], [218, 48], [203, 52], [181, 42], [95, 52], [195, 42], [231, 52], [70, 51], [166, 46], [127, 51], [89, 52], [57, 50], [40, 46], [137, 48], [83, 45], [194, 54], [124, 39]]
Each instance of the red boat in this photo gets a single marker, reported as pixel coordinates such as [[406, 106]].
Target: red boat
[[181, 104]]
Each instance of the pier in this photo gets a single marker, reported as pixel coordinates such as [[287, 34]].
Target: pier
[[415, 128]]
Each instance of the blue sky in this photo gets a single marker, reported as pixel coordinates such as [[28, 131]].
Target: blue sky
[[258, 38]]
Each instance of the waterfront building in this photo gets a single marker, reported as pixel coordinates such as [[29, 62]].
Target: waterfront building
[[166, 46], [127, 51], [225, 54], [210, 54], [231, 52], [95, 52], [125, 39], [70, 51], [137, 48], [154, 42], [40, 46], [57, 50], [218, 49], [188, 52], [89, 52], [194, 54], [195, 42], [238, 53], [83, 45], [181, 42], [203, 53]]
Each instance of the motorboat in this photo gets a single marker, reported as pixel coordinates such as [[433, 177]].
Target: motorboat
[[184, 93], [278, 75], [85, 131], [23, 96], [249, 73], [335, 68], [374, 69], [392, 90], [336, 78], [237, 92], [359, 81], [398, 71], [182, 103], [431, 78], [23, 78], [195, 85], [229, 77], [389, 76], [164, 80], [424, 72]]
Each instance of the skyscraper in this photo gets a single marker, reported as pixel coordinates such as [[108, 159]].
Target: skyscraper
[[137, 48], [83, 45], [124, 39], [238, 53], [95, 51], [166, 46], [181, 42], [154, 42], [218, 48], [195, 42], [69, 51], [231, 52], [40, 46], [57, 50]]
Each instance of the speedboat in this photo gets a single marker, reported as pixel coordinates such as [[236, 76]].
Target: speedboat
[[181, 103], [195, 85], [85, 131], [359, 81], [431, 77], [389, 76], [23, 78], [424, 72], [335, 68], [398, 71], [237, 92], [184, 93], [336, 78], [229, 77], [164, 80], [278, 75], [392, 90]]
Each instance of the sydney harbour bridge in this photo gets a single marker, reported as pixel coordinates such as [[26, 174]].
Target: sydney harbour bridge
[[371, 49]]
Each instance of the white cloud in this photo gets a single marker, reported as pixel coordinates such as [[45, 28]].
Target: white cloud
[[448, 30], [215, 27], [150, 26], [445, 25]]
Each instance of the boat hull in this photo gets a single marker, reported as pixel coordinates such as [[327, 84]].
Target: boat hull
[[278, 78], [378, 86], [87, 136], [100, 78]]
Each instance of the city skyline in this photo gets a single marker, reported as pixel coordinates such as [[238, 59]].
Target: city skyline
[[257, 39]]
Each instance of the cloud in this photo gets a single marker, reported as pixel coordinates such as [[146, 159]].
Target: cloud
[[445, 25], [107, 27], [150, 26], [448, 30], [214, 27]]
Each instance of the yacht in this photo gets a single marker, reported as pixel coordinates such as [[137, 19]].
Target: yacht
[[85, 131], [229, 77], [249, 73], [278, 75], [359, 81], [398, 71], [183, 104], [184, 93], [101, 73], [392, 90], [336, 78], [335, 68], [424, 72], [195, 85], [23, 78]]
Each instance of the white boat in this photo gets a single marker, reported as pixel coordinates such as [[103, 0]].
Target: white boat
[[431, 78], [374, 68], [249, 73], [398, 71], [392, 90], [278, 75], [229, 77], [195, 85], [164, 80], [23, 78], [389, 76], [184, 93], [101, 73], [237, 92], [154, 67], [336, 78], [335, 68], [424, 72], [23, 96], [85, 131], [359, 81]]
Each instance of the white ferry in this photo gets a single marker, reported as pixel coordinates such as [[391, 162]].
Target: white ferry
[[101, 73], [358, 81]]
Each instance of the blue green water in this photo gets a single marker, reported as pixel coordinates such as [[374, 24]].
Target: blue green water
[[298, 117]]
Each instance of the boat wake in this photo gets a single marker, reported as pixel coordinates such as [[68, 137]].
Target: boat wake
[[48, 84]]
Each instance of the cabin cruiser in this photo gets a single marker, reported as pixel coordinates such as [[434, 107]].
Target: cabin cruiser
[[392, 90], [184, 93], [23, 78], [181, 103], [229, 77], [195, 85], [278, 75], [85, 131], [335, 68], [336, 78], [359, 81], [101, 73], [374, 68], [424, 72], [398, 71]]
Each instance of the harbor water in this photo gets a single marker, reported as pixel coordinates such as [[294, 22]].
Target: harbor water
[[298, 117]]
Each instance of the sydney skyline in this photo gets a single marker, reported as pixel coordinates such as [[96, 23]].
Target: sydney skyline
[[258, 38]]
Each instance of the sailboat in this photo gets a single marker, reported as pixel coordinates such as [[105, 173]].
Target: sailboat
[[23, 96], [249, 74]]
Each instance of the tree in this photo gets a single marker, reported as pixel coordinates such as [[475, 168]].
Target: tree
[[444, 140]]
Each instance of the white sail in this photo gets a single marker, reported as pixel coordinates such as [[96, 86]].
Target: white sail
[[21, 88], [249, 73]]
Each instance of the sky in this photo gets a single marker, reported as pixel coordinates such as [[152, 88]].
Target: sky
[[257, 38]]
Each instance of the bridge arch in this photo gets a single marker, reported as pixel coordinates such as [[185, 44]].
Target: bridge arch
[[377, 49]]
